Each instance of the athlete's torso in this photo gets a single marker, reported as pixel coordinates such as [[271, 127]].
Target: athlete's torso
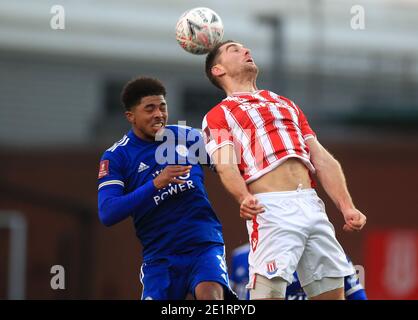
[[265, 129], [178, 217], [290, 175]]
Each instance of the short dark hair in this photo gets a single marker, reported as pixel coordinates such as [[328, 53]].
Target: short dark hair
[[211, 61], [138, 88]]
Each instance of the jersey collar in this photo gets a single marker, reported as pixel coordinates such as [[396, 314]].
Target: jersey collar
[[134, 138], [245, 93]]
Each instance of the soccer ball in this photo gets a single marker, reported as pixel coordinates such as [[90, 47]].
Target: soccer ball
[[198, 30]]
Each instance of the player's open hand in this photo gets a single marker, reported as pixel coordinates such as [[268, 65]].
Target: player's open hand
[[250, 207], [170, 174], [354, 220]]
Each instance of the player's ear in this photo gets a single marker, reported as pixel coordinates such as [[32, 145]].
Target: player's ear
[[218, 70], [130, 116]]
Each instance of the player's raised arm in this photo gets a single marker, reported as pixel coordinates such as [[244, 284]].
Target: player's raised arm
[[332, 178], [115, 206], [225, 161]]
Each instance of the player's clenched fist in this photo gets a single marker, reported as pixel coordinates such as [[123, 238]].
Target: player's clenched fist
[[250, 207], [170, 174], [354, 220]]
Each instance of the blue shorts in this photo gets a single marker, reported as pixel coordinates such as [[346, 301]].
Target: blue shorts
[[175, 276]]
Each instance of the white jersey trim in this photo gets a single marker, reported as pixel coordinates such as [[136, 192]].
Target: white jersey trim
[[274, 165], [354, 289], [123, 142], [110, 182], [211, 149], [308, 136]]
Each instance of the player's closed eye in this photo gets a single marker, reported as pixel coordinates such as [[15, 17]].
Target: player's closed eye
[[152, 108]]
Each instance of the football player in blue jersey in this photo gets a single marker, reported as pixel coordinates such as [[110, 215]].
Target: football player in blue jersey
[[239, 279], [154, 176]]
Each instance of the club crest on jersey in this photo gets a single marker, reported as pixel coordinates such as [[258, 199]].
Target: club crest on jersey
[[103, 168], [182, 150], [142, 166], [271, 267]]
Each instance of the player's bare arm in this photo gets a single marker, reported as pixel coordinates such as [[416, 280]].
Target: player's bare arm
[[332, 178], [170, 174], [224, 159]]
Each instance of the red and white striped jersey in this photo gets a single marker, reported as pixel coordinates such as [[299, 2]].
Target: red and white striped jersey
[[265, 129]]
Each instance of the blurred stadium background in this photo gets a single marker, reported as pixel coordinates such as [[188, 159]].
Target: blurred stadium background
[[59, 110]]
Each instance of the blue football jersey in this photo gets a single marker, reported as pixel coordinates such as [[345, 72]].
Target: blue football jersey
[[239, 279], [174, 219]]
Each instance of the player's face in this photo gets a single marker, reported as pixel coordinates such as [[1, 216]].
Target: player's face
[[235, 60], [148, 117]]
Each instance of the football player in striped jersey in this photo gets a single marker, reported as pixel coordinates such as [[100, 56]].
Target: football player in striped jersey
[[266, 154]]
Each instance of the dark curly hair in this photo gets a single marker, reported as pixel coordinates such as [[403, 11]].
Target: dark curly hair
[[138, 88]]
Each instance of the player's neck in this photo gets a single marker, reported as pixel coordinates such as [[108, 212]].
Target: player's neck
[[240, 86], [141, 136]]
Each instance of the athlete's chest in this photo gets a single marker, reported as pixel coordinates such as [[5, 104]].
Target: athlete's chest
[[146, 164], [256, 114]]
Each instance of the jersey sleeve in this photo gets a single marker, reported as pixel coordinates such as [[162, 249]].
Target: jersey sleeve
[[216, 131], [110, 171], [304, 126], [114, 203]]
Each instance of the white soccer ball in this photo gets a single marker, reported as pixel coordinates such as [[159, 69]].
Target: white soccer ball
[[198, 30]]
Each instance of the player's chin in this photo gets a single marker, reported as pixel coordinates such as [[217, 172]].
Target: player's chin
[[154, 130], [252, 67]]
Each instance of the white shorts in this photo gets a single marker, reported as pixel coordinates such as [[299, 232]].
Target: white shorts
[[294, 234]]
